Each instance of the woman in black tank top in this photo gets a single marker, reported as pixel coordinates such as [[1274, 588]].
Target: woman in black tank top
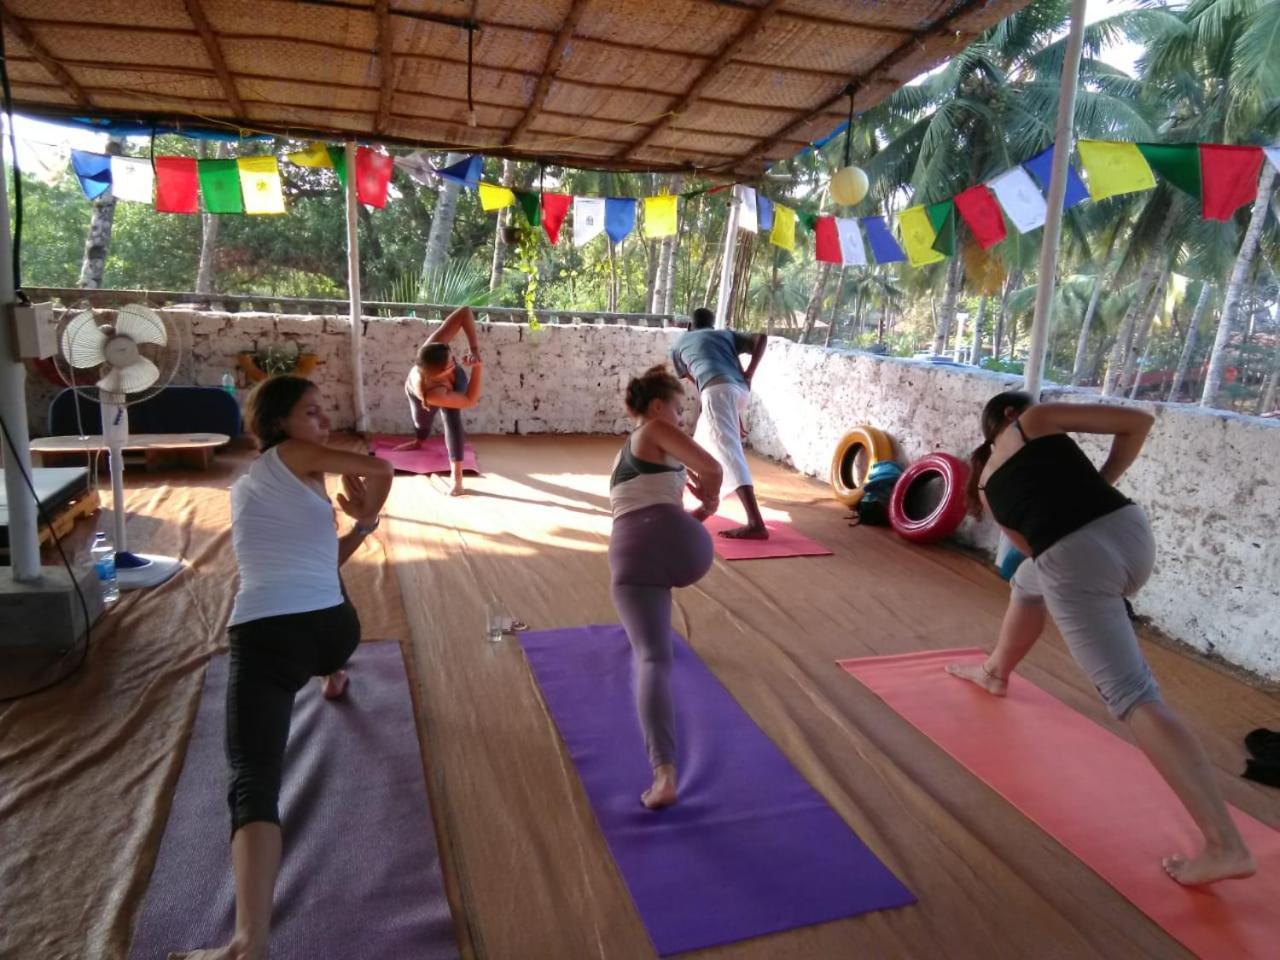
[[1090, 547]]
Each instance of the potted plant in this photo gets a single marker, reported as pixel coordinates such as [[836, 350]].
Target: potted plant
[[277, 358]]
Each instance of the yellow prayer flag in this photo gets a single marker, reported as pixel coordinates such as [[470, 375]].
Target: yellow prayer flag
[[316, 155], [783, 233], [494, 197], [1114, 168], [660, 216], [260, 184], [918, 237]]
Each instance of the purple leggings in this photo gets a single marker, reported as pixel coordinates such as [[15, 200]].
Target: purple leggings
[[652, 550]]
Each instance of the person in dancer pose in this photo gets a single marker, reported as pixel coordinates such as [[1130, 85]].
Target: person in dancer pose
[[290, 621], [655, 546], [1090, 548]]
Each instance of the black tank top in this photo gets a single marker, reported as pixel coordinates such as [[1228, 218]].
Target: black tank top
[[1048, 489]]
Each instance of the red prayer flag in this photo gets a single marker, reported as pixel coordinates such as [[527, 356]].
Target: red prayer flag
[[555, 206], [177, 185], [826, 246], [373, 173], [1228, 178], [981, 211]]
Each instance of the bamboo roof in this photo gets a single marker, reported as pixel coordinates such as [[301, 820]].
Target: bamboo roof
[[725, 87]]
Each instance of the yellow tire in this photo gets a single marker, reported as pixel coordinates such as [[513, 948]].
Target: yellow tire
[[846, 478]]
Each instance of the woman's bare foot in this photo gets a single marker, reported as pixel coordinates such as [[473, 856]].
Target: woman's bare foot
[[232, 951], [663, 792], [458, 490], [747, 532], [408, 445], [1210, 866], [335, 685], [975, 674]]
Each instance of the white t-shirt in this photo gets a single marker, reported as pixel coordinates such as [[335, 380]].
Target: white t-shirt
[[286, 543]]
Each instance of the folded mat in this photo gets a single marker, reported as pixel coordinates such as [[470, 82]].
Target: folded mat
[[1091, 791], [431, 457], [749, 849], [361, 874]]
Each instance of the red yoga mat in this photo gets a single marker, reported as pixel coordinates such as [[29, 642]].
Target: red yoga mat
[[783, 540], [1090, 790], [431, 457]]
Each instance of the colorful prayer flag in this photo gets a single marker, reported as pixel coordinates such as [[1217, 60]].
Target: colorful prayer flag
[[745, 198], [852, 252], [417, 166], [1230, 178], [918, 237], [659, 216], [132, 179], [220, 184], [177, 185], [1114, 168], [493, 197], [1041, 167], [466, 172], [93, 170], [1021, 199], [942, 217], [783, 233], [983, 272], [530, 205], [338, 160], [808, 220], [826, 241], [764, 212], [588, 219], [982, 214], [619, 217], [316, 155], [1179, 163], [883, 245], [373, 175], [555, 207], [260, 184]]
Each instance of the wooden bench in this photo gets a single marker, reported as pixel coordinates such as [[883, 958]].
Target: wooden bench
[[151, 449]]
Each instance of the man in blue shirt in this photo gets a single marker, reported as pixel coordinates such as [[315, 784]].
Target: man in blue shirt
[[710, 358]]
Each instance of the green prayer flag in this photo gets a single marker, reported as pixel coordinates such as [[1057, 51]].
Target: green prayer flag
[[943, 218], [531, 204], [220, 184], [338, 157], [1179, 163], [810, 220]]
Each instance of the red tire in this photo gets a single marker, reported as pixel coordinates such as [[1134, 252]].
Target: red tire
[[935, 521]]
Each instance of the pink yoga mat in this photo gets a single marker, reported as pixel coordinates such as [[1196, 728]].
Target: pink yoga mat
[[431, 457], [783, 542], [1090, 790]]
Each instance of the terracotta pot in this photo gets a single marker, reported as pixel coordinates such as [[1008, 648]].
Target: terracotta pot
[[304, 367]]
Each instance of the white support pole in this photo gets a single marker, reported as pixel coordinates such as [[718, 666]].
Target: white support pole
[[726, 268], [24, 547], [353, 288], [1033, 375]]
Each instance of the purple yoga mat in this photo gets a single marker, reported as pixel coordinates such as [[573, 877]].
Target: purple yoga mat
[[750, 848], [361, 874]]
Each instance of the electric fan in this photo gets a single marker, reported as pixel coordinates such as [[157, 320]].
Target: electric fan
[[134, 357]]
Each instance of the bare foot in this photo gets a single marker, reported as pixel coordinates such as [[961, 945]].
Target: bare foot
[[747, 532], [973, 672], [663, 792], [1210, 866], [458, 490], [335, 685]]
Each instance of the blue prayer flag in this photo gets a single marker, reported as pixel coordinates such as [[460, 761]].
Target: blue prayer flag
[[1040, 167], [764, 212], [93, 171], [466, 172], [883, 246], [619, 217]]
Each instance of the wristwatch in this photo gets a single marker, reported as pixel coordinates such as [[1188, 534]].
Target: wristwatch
[[365, 531]]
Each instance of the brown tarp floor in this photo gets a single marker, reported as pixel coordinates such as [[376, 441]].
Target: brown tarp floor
[[88, 767]]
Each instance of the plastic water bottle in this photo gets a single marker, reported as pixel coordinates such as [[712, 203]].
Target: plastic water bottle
[[228, 382], [103, 553]]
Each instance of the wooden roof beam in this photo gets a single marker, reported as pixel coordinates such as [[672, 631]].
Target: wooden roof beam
[[386, 60], [721, 60], [44, 58], [210, 39], [549, 69]]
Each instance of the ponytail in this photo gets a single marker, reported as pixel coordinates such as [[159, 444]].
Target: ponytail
[[977, 463]]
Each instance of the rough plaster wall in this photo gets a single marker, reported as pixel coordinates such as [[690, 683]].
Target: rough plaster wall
[[1209, 481]]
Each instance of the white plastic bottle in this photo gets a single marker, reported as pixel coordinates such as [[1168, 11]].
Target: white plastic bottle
[[228, 382], [103, 553]]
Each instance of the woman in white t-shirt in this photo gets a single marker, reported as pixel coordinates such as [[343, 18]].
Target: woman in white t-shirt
[[291, 620]]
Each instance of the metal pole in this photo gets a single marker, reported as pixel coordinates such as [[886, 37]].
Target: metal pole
[[353, 288], [1063, 140], [726, 268], [24, 547]]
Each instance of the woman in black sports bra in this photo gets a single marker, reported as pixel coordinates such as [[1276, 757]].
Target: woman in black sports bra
[[1090, 547]]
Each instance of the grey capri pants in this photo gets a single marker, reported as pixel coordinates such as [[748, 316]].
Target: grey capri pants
[[1083, 580], [424, 418]]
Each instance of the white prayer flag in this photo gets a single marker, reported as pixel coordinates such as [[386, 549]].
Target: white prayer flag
[[852, 252], [1273, 154], [745, 197], [1021, 199], [132, 179], [588, 219], [47, 162]]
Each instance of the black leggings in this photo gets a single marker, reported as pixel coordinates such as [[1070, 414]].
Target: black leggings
[[271, 660]]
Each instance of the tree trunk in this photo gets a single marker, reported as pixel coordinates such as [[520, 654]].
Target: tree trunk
[[772, 322], [503, 220], [1132, 371], [208, 229], [1082, 345], [1189, 345], [713, 279], [664, 283], [835, 308], [1015, 278], [1146, 278], [947, 315], [613, 276], [1218, 356], [98, 241], [975, 350], [442, 221], [1268, 401], [815, 301]]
